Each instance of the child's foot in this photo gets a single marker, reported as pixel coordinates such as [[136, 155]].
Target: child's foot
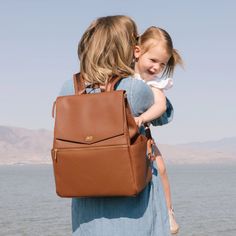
[[174, 227]]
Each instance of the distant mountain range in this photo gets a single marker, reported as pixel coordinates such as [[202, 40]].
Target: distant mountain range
[[226, 144], [19, 145], [25, 146]]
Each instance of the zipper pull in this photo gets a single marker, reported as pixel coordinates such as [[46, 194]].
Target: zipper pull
[[53, 109], [55, 155]]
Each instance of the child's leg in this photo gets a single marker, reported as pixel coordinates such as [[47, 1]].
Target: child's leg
[[164, 178], [165, 181], [174, 227]]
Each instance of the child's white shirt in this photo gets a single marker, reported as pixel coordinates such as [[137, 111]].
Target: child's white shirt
[[160, 83]]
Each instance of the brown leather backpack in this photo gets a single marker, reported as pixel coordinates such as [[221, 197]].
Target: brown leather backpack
[[97, 147]]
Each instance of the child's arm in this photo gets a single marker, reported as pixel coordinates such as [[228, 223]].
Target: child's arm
[[156, 110]]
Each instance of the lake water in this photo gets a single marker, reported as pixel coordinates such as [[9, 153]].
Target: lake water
[[204, 198]]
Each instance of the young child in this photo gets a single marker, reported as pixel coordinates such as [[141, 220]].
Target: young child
[[155, 60]]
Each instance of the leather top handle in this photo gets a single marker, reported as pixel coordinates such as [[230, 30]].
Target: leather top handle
[[80, 88]]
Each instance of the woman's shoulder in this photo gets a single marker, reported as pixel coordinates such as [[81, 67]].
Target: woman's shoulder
[[134, 88], [139, 94], [67, 88], [133, 84]]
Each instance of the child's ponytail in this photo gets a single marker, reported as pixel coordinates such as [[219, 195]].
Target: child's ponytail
[[174, 60]]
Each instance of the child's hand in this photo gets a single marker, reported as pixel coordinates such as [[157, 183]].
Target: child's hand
[[138, 120]]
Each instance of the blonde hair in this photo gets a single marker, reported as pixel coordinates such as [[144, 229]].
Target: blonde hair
[[106, 48], [159, 35]]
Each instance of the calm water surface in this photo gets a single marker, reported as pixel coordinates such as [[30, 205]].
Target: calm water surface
[[204, 199]]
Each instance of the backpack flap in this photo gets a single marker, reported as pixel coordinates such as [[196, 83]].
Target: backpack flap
[[90, 118]]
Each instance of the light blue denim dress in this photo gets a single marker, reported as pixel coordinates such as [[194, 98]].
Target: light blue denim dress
[[143, 215]]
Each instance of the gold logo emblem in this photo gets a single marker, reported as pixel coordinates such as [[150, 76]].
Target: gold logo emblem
[[89, 138]]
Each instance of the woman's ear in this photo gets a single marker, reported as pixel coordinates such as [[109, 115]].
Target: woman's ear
[[137, 52]]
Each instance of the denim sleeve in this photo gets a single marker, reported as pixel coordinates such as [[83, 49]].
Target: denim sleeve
[[67, 88], [166, 117], [139, 95], [140, 98]]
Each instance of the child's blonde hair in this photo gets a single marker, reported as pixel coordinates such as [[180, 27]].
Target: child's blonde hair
[[146, 41], [106, 48]]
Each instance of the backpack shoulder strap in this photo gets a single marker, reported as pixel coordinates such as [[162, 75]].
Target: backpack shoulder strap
[[79, 85], [110, 86]]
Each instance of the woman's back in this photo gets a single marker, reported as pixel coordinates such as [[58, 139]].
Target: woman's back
[[106, 50], [143, 215]]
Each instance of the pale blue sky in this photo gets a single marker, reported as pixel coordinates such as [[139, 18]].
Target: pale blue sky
[[38, 53]]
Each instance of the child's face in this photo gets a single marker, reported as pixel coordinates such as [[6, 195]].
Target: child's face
[[152, 62]]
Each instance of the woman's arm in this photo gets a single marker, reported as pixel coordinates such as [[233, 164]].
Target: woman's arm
[[139, 95], [67, 88], [166, 117], [156, 110], [140, 98]]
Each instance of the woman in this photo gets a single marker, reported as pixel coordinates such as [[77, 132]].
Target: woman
[[106, 49]]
